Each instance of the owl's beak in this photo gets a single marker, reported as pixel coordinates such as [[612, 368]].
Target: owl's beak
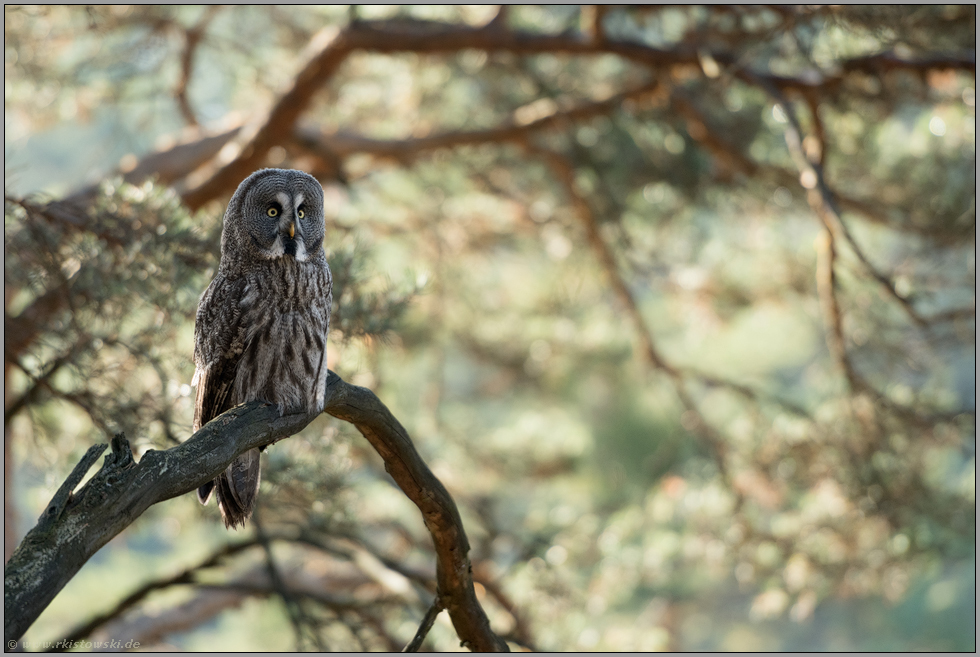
[[292, 229]]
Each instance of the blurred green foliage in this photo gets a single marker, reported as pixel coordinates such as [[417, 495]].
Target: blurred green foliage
[[738, 496]]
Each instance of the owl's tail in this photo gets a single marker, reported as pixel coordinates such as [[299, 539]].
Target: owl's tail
[[237, 488]]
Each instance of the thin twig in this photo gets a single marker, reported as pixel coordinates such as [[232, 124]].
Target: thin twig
[[186, 576], [824, 203], [427, 621], [294, 607], [565, 173], [192, 39], [40, 381], [827, 290]]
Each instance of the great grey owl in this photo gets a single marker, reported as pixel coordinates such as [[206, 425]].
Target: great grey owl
[[261, 329]]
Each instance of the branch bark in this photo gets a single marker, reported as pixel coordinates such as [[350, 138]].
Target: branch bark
[[76, 524]]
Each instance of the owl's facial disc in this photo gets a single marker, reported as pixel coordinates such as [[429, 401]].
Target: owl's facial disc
[[289, 239]]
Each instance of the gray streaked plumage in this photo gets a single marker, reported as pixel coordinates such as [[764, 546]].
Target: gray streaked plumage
[[262, 324]]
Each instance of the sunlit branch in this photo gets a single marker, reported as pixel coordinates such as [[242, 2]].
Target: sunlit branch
[[339, 146], [729, 157], [407, 35], [827, 289], [76, 525], [822, 202], [590, 22]]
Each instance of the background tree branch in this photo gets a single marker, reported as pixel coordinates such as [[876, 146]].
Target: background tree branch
[[417, 36]]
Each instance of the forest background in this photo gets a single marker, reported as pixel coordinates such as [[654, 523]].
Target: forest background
[[678, 302]]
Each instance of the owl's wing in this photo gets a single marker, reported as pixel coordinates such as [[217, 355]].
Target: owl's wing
[[218, 346]]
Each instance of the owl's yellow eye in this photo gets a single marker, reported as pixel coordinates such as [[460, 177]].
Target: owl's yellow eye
[[301, 213], [273, 212]]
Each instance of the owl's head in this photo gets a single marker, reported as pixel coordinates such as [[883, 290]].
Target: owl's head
[[274, 213]]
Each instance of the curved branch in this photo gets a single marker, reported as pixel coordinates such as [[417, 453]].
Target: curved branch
[[77, 524], [454, 575]]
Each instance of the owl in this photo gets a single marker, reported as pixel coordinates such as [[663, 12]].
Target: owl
[[261, 327]]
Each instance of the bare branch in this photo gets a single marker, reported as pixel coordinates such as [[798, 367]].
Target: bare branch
[[824, 202], [40, 381], [52, 552], [427, 621], [590, 22], [122, 490], [52, 514], [300, 586], [566, 175], [454, 576], [730, 157], [278, 124]]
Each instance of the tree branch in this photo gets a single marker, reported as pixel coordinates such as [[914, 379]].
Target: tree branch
[[192, 39], [206, 604], [427, 621], [565, 173], [184, 577], [52, 552], [332, 47], [827, 289], [454, 576], [824, 204], [294, 606], [401, 35], [339, 145]]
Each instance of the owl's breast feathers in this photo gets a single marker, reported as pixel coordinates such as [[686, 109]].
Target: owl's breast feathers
[[264, 336]]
